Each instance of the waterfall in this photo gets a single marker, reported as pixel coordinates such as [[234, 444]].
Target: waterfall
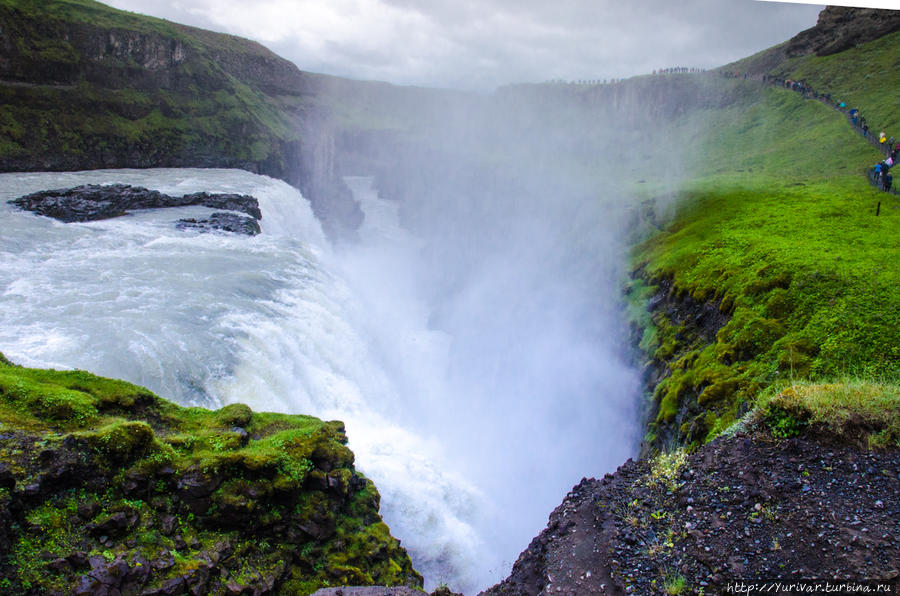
[[473, 410]]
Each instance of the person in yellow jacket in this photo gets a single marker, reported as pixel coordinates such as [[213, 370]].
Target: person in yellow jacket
[[882, 138]]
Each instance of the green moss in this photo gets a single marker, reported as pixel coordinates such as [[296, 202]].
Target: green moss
[[32, 396], [746, 335], [123, 442], [672, 390], [159, 478], [720, 390], [859, 411]]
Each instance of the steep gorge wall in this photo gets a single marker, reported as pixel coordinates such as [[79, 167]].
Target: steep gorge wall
[[674, 324]]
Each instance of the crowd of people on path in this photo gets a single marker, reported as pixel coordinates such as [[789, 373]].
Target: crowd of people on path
[[583, 82], [677, 70], [880, 174], [592, 82]]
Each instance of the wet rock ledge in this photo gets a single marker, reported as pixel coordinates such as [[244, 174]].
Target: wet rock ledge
[[106, 489], [94, 202]]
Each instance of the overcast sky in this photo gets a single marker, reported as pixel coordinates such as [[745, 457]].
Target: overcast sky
[[481, 44]]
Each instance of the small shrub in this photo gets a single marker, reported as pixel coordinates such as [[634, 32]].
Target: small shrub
[[664, 469], [674, 585], [783, 424]]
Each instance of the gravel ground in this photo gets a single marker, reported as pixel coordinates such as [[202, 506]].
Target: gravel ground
[[747, 507]]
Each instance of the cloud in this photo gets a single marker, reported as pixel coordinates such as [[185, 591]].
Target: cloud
[[476, 44]]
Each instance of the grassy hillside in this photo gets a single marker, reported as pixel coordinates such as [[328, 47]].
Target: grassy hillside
[[93, 13], [866, 77], [778, 231]]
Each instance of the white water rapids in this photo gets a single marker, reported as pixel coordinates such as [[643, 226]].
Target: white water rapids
[[468, 459]]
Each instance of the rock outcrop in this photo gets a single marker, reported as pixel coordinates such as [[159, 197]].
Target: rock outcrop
[[93, 202], [840, 28], [108, 489], [681, 324], [224, 222]]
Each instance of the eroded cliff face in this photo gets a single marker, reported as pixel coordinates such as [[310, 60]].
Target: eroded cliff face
[[84, 86], [840, 28], [679, 324]]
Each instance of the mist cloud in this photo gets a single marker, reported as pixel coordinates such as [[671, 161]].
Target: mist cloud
[[474, 44]]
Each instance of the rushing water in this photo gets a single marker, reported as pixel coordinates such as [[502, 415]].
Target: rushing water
[[284, 321]]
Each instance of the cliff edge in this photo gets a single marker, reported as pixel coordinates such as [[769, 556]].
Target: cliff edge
[[106, 488], [746, 507]]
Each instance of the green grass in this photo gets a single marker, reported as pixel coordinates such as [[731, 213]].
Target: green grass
[[665, 469], [865, 77], [858, 411], [94, 14], [674, 585], [778, 227]]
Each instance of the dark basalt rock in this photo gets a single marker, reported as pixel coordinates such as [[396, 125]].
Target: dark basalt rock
[[840, 28], [94, 202], [231, 202], [747, 506], [224, 222]]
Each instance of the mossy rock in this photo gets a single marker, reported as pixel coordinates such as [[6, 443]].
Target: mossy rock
[[781, 304], [235, 415], [746, 336], [123, 442], [172, 489], [718, 391]]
